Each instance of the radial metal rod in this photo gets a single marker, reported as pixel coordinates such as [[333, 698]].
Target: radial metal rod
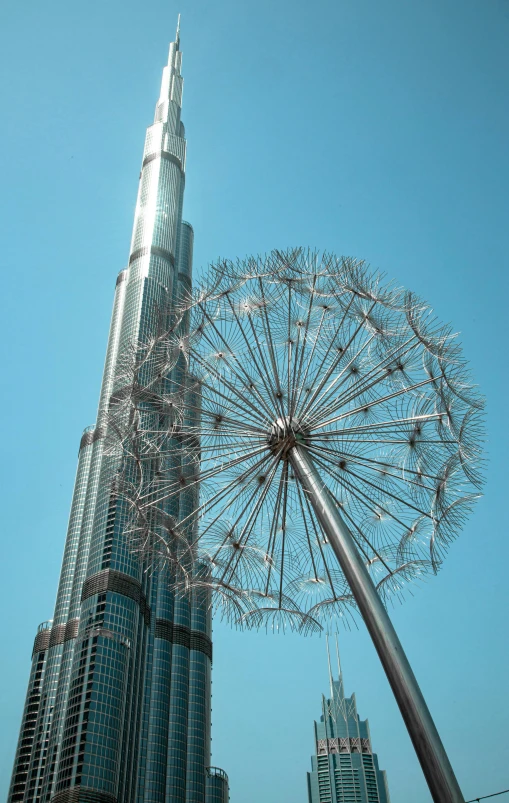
[[430, 751]]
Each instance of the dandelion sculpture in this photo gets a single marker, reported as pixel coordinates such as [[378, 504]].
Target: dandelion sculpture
[[331, 427]]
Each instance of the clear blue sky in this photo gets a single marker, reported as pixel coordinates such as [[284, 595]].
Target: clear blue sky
[[374, 129]]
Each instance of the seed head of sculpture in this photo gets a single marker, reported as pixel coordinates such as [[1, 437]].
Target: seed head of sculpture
[[309, 348]]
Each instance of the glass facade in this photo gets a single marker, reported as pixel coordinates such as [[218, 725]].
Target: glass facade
[[218, 790], [344, 769], [118, 701]]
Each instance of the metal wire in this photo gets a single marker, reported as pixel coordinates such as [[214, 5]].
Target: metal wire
[[485, 797]]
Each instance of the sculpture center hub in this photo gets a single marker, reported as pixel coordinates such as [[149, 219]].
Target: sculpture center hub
[[285, 432]]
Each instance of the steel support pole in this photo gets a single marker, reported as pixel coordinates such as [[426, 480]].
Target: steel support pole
[[430, 751]]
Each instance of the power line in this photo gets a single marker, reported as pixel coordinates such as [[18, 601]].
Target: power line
[[495, 794]]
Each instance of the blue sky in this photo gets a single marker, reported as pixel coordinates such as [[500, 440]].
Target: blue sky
[[377, 130]]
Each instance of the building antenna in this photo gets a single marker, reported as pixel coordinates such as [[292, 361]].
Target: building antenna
[[340, 671], [330, 669], [177, 37]]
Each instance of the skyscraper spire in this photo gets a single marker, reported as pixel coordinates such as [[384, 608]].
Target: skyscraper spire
[[329, 664], [340, 671]]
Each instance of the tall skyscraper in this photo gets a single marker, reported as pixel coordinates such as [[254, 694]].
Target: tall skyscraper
[[118, 701], [344, 768]]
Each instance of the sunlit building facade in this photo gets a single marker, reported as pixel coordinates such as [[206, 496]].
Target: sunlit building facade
[[118, 701], [344, 768]]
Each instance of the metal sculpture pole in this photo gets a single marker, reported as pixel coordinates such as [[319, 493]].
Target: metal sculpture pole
[[430, 751]]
